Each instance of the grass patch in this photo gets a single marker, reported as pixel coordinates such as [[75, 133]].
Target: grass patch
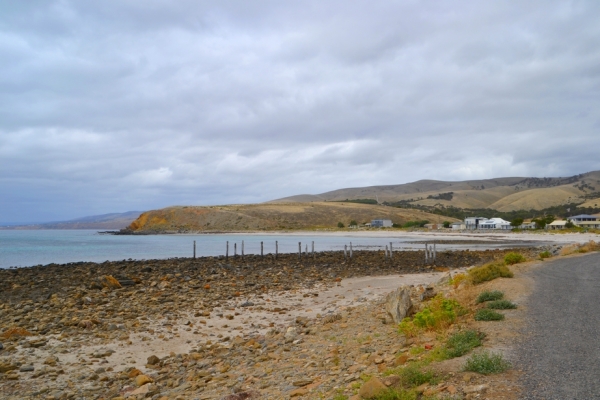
[[489, 295], [501, 305], [545, 254], [439, 314], [489, 272], [461, 343], [340, 397], [393, 394], [458, 279], [514, 258], [412, 376], [486, 363], [485, 314]]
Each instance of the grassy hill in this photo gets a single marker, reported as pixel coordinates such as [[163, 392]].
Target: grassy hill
[[502, 194], [271, 216]]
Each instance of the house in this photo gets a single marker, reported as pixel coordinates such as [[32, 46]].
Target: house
[[458, 226], [381, 223], [473, 222], [528, 225], [495, 223], [433, 226], [582, 218], [556, 225]]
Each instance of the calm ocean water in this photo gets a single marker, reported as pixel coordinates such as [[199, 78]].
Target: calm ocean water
[[33, 247]]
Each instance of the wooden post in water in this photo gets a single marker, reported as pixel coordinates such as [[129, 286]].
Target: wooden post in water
[[351, 250], [313, 249], [306, 250], [261, 250], [194, 249], [276, 249], [227, 251], [391, 252], [386, 252], [299, 250], [242, 249], [434, 253], [235, 250], [345, 249], [426, 254]]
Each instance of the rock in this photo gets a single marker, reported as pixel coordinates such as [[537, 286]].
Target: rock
[[398, 304], [142, 390], [153, 360], [475, 388], [26, 368], [391, 380], [1, 346], [109, 282], [302, 382], [332, 318], [298, 392], [429, 293], [5, 367], [372, 388], [141, 380], [291, 334]]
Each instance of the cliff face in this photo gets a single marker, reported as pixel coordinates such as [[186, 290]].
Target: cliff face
[[270, 216]]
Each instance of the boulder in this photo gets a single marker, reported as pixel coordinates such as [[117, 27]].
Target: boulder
[[398, 304], [372, 389], [153, 360], [110, 282]]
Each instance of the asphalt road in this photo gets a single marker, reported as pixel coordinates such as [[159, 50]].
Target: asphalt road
[[560, 353]]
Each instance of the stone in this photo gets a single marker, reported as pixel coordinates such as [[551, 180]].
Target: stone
[[1, 346], [5, 367], [109, 282], [298, 392], [291, 334], [391, 380], [302, 382], [153, 360], [372, 388], [398, 304], [141, 380], [26, 368], [475, 388]]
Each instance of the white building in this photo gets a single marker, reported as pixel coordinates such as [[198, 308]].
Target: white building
[[495, 223], [458, 226], [381, 223], [473, 222]]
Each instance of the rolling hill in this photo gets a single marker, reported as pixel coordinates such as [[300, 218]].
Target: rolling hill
[[104, 221], [502, 194], [270, 216]]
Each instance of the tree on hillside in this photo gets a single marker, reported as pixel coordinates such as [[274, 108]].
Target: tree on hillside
[[446, 224], [353, 223], [340, 225]]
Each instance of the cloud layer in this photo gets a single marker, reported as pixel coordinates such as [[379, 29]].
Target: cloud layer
[[110, 106]]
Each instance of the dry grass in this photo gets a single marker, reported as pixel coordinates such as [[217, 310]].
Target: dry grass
[[489, 272], [273, 216], [580, 248]]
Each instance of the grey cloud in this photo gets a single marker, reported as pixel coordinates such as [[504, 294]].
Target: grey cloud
[[110, 106]]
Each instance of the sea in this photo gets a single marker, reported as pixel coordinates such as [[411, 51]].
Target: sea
[[25, 248]]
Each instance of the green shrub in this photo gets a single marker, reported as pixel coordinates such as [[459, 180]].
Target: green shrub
[[412, 376], [489, 272], [486, 363], [501, 305], [340, 397], [418, 224], [461, 343], [488, 295], [545, 254], [513, 258], [439, 314], [485, 314], [340, 225], [394, 394]]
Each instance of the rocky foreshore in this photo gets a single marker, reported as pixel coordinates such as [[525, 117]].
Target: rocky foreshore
[[206, 328]]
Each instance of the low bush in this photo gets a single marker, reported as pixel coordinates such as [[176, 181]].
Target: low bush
[[489, 272], [485, 314], [461, 343], [486, 363], [439, 314], [501, 305], [393, 394], [513, 258], [458, 279], [488, 295], [545, 254], [412, 376]]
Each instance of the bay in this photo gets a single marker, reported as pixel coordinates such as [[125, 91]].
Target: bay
[[22, 248]]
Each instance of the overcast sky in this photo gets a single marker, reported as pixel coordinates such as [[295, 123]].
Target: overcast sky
[[109, 106]]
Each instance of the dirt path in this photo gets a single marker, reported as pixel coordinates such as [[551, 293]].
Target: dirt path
[[560, 353]]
